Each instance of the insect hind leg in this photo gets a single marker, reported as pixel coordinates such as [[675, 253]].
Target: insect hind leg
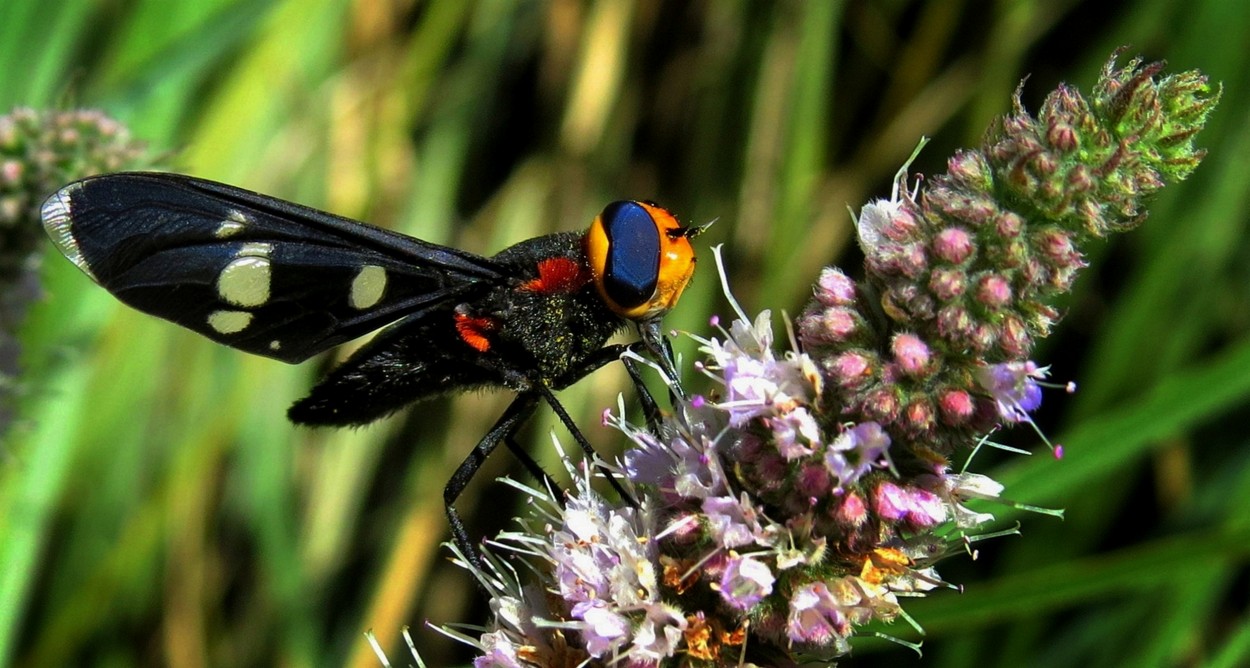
[[503, 431], [521, 408]]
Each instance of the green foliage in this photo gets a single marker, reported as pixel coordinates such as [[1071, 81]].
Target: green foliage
[[156, 508]]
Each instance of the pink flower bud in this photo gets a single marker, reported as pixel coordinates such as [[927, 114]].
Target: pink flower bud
[[880, 405], [994, 291], [983, 336], [901, 226], [894, 259], [770, 470], [812, 329], [956, 407], [947, 284], [1080, 180], [911, 354], [851, 511], [1056, 246], [1008, 225], [839, 323], [919, 416], [969, 169], [1044, 164], [954, 323], [961, 207], [953, 244], [1014, 337], [11, 172], [1063, 137], [849, 369], [835, 288]]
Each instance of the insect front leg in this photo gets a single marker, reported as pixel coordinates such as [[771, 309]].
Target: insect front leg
[[650, 409], [578, 436], [662, 352]]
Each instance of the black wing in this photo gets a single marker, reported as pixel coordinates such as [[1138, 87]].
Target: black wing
[[253, 272]]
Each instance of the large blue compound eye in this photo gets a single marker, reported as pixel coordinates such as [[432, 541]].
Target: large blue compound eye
[[632, 268]]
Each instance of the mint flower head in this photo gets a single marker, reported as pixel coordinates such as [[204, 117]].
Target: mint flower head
[[811, 490], [41, 151], [960, 276]]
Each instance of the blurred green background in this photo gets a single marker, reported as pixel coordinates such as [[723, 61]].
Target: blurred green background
[[156, 509]]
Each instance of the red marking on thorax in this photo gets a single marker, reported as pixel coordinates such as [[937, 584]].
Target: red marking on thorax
[[557, 275], [474, 330]]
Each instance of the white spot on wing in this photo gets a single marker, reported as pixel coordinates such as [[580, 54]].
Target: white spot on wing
[[255, 249], [58, 220], [233, 223], [275, 345], [229, 322], [368, 287], [246, 280]]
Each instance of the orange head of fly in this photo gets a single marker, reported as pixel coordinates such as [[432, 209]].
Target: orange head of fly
[[641, 258]]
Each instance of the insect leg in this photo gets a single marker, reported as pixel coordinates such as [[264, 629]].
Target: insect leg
[[513, 417], [581, 438], [650, 409], [662, 351]]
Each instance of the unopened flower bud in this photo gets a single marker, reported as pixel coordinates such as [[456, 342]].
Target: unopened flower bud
[[1080, 180], [964, 208], [851, 511], [1063, 137], [994, 291], [918, 416], [1055, 245], [983, 336], [881, 405], [770, 470], [956, 407], [838, 323], [849, 369], [947, 284], [969, 169], [954, 323], [11, 172], [911, 354], [1008, 224], [901, 226], [835, 288], [1014, 337], [953, 244]]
